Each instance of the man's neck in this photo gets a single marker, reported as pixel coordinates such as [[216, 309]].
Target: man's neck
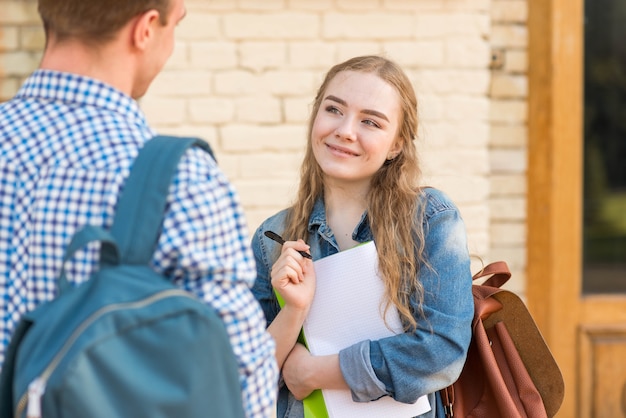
[[106, 63]]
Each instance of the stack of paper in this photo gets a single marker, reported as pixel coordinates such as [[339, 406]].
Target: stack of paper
[[347, 309]]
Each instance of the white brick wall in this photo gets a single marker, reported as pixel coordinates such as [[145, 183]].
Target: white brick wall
[[244, 72], [508, 139]]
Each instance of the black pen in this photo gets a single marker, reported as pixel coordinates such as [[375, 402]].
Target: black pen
[[275, 237]]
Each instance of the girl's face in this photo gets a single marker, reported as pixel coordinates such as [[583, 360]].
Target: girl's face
[[355, 129]]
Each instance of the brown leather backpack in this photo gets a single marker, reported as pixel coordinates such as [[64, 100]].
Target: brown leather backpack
[[509, 371]]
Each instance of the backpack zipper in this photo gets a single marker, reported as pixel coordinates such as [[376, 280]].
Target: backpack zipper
[[36, 389]]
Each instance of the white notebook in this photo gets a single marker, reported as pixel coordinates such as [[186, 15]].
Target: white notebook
[[347, 309]]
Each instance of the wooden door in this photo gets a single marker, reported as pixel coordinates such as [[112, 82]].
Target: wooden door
[[587, 334]]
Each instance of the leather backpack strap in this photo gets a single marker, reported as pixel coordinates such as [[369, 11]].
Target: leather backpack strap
[[499, 272], [141, 206]]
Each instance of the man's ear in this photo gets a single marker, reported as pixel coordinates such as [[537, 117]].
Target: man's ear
[[143, 29]]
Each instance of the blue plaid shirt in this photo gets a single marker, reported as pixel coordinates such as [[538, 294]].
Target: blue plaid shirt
[[66, 146]]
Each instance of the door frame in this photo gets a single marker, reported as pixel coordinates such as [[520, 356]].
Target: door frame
[[568, 320], [555, 128]]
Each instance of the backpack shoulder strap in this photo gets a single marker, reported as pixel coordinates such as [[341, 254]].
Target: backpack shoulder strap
[[499, 272], [141, 206]]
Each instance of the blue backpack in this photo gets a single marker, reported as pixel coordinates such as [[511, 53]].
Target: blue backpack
[[127, 342]]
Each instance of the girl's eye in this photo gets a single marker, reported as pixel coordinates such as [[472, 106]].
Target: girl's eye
[[333, 109], [371, 123]]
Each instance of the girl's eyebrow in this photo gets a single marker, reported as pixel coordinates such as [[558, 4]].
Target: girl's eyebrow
[[366, 111]]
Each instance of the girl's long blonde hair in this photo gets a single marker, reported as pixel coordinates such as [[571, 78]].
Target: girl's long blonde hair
[[393, 211]]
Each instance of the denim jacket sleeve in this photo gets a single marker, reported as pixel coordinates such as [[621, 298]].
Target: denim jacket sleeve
[[409, 365]]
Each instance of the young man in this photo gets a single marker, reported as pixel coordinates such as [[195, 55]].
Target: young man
[[67, 142]]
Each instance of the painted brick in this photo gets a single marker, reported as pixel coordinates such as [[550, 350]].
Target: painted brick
[[462, 189], [468, 5], [271, 26], [514, 36], [440, 82], [19, 13], [509, 86], [431, 107], [8, 87], [466, 161], [308, 5], [32, 38], [509, 135], [9, 38], [508, 160], [460, 133], [18, 63], [259, 56], [515, 257], [237, 82], [429, 53], [213, 110], [182, 83], [413, 5], [349, 49], [274, 193], [313, 55], [478, 242], [297, 109], [258, 109], [508, 209], [509, 184], [437, 25], [476, 216], [199, 26], [206, 133], [462, 107], [210, 6], [167, 111], [509, 111], [289, 82], [230, 164], [266, 165], [359, 6], [516, 61], [213, 55], [262, 5], [251, 138], [513, 11], [179, 60], [467, 53], [367, 26], [508, 233]]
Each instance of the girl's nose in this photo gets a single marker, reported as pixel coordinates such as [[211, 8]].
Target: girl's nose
[[346, 129]]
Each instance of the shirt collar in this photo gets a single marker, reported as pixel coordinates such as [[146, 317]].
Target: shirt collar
[[81, 91]]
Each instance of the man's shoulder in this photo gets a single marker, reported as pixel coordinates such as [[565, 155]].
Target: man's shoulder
[[199, 163]]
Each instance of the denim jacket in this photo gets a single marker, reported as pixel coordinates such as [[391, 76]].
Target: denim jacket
[[408, 365]]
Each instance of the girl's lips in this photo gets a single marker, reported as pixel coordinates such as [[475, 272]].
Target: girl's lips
[[342, 150]]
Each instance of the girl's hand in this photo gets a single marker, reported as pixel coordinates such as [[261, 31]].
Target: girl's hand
[[293, 276]]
